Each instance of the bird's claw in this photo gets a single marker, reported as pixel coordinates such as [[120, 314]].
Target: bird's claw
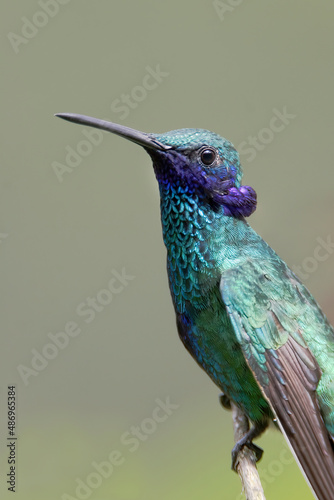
[[225, 401], [239, 446]]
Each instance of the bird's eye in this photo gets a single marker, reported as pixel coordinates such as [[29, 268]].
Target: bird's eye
[[208, 156]]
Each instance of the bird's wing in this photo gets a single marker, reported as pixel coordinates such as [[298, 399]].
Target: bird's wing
[[266, 309]]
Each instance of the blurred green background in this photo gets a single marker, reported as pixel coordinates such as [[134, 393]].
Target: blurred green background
[[226, 66]]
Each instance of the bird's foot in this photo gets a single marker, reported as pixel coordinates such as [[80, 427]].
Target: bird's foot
[[247, 440], [225, 401], [239, 446]]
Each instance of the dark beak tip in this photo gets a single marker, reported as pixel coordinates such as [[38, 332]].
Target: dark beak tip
[[68, 116]]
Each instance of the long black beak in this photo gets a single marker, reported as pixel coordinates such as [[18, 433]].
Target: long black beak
[[145, 140]]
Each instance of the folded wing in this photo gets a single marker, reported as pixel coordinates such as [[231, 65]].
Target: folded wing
[[267, 310]]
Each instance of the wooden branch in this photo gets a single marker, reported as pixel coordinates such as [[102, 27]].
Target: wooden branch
[[246, 465]]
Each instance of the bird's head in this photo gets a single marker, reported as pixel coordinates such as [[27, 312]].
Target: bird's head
[[196, 161]]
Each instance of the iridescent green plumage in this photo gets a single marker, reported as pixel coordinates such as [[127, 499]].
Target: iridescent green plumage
[[241, 312]]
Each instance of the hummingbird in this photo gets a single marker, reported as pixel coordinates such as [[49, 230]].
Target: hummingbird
[[242, 314]]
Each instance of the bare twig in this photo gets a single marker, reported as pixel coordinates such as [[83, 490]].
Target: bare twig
[[246, 465]]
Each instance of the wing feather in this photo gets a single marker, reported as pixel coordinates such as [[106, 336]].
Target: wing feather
[[269, 329]]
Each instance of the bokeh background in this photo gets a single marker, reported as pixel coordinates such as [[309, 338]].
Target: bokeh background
[[227, 66]]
